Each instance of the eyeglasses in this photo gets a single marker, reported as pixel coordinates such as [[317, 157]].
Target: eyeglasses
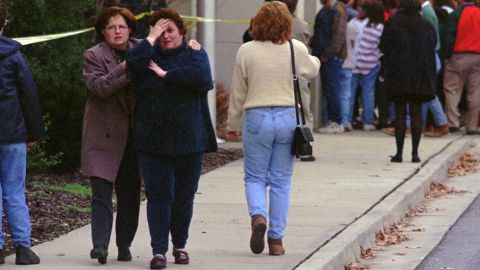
[[113, 28]]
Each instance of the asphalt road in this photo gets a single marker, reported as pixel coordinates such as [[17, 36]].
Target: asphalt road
[[460, 248]]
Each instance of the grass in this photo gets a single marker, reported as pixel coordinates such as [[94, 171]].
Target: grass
[[71, 188]]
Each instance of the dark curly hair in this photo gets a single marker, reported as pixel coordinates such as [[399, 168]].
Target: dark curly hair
[[170, 14]]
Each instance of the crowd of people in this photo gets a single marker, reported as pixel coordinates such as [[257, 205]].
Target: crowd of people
[[147, 116], [353, 45]]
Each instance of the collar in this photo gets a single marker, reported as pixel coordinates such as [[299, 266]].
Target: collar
[[426, 3]]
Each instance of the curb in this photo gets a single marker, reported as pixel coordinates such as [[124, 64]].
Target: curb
[[345, 246]]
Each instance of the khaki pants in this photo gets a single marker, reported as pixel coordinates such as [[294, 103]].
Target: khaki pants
[[306, 99], [462, 70]]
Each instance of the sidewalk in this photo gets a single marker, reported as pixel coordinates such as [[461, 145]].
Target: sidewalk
[[337, 201]]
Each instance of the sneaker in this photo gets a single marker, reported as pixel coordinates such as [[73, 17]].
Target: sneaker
[[368, 127], [25, 256], [332, 128], [348, 127]]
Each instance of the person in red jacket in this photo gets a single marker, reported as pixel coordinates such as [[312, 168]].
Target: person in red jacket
[[462, 67]]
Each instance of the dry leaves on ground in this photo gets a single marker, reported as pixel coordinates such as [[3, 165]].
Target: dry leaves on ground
[[467, 164], [367, 254], [438, 190], [391, 236], [356, 266]]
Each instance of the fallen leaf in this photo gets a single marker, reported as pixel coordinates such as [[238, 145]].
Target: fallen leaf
[[355, 266]]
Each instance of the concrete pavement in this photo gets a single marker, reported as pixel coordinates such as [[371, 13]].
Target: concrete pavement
[[337, 204]]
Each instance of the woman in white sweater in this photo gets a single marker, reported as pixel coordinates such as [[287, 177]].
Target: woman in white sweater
[[262, 87]]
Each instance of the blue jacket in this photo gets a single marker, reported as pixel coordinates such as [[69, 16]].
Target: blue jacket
[[171, 116], [20, 114]]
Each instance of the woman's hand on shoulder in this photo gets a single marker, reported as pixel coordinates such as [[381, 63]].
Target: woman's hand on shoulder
[[158, 70], [194, 45]]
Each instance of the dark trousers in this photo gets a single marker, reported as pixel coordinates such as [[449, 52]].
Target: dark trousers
[[170, 186], [127, 188]]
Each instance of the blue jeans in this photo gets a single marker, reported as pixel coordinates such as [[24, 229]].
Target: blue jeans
[[434, 105], [13, 158], [267, 140], [367, 82], [170, 186], [330, 75], [345, 95]]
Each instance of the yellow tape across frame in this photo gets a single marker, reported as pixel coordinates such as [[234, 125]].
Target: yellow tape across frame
[[43, 38]]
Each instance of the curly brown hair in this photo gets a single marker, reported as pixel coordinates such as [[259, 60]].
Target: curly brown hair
[[170, 14], [107, 13], [273, 22]]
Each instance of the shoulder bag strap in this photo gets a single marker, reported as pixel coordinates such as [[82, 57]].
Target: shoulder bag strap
[[296, 88]]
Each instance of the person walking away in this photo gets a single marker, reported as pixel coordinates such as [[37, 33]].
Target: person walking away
[[329, 45], [21, 126], [172, 129], [462, 67], [262, 91], [408, 44], [107, 154]]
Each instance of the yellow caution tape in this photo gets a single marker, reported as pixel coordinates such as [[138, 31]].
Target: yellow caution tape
[[43, 38], [37, 39], [198, 19]]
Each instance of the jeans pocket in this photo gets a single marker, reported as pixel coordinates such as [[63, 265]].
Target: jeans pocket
[[254, 121], [285, 135]]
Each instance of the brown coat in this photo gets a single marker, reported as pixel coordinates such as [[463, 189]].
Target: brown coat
[[106, 119]]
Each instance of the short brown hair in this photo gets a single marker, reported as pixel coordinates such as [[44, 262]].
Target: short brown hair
[[170, 14], [273, 22], [107, 13]]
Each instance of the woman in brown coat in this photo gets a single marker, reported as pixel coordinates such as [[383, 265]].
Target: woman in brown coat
[[107, 154]]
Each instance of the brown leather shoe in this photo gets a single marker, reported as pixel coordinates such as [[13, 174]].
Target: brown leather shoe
[[438, 131], [181, 256], [257, 239], [275, 247], [158, 262]]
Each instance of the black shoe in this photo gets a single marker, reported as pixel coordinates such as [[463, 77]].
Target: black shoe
[[472, 132], [415, 159], [2, 256], [124, 255], [396, 159], [25, 256], [307, 158], [453, 129], [100, 254]]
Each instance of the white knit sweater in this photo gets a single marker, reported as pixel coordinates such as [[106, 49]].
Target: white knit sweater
[[262, 77]]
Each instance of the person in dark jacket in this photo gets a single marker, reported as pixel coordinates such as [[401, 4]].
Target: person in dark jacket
[[21, 126], [172, 129], [408, 43], [328, 43]]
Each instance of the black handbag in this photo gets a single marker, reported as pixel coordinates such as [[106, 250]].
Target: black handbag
[[302, 143]]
